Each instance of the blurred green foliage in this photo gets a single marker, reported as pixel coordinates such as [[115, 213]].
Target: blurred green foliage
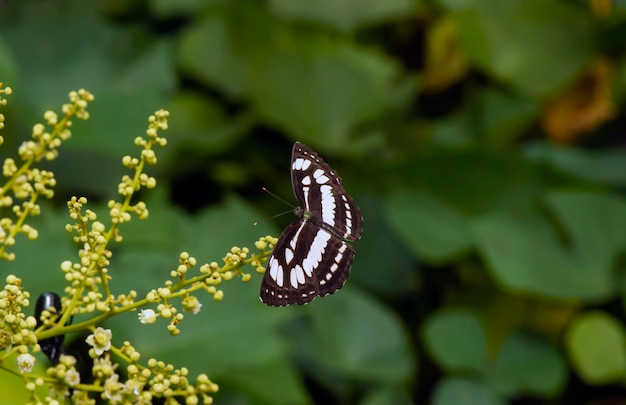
[[483, 141]]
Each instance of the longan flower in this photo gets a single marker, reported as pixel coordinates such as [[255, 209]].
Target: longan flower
[[25, 362], [58, 391], [72, 377], [100, 340], [134, 386], [113, 389], [191, 304], [147, 316]]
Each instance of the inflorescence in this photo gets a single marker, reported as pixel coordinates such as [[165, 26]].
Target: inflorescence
[[26, 183], [87, 292]]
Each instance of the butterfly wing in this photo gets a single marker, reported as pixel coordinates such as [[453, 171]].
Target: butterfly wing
[[307, 261], [319, 192]]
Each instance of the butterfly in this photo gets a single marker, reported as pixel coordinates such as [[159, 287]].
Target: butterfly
[[311, 257]]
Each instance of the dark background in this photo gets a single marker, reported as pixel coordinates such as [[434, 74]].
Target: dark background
[[483, 141]]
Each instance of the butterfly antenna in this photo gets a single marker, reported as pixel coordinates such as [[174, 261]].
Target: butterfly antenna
[[278, 198], [277, 215], [272, 217]]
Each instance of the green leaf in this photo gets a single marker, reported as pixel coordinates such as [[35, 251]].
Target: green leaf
[[436, 231], [596, 344], [53, 58], [503, 116], [340, 340], [455, 340], [387, 395], [277, 382], [595, 225], [205, 52], [527, 365], [213, 232], [547, 24], [197, 121], [167, 8], [382, 264], [454, 130], [464, 391], [337, 87], [524, 254], [123, 103], [603, 166], [343, 14], [8, 66], [474, 181], [493, 118]]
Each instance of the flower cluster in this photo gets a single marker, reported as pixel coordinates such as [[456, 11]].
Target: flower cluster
[[26, 183], [66, 373], [264, 244], [17, 331], [90, 273], [118, 374]]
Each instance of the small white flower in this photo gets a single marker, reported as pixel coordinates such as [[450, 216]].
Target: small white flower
[[100, 340], [25, 363], [72, 377], [134, 386], [59, 391], [197, 308], [147, 316], [113, 389]]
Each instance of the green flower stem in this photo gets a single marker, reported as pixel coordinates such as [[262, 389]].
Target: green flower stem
[[68, 313], [126, 204], [178, 290]]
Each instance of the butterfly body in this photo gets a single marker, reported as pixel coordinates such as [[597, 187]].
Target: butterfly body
[[311, 257]]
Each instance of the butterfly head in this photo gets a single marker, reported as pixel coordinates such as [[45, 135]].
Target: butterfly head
[[302, 213]]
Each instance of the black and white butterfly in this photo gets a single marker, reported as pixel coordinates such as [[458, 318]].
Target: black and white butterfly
[[311, 256]]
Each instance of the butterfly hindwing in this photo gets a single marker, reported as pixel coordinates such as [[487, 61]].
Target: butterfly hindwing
[[307, 261], [311, 256], [334, 269]]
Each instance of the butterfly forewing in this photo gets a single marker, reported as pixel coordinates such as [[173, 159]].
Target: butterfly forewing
[[311, 256], [320, 193], [277, 288]]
